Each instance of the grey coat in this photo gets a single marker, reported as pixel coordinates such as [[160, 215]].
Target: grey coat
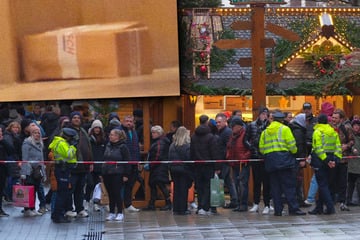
[[31, 151]]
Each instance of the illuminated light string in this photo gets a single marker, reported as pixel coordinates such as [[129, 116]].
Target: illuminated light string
[[164, 162]]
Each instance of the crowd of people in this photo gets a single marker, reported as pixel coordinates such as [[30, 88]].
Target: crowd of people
[[59, 148]]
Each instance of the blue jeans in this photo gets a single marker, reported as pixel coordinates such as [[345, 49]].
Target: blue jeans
[[312, 190]]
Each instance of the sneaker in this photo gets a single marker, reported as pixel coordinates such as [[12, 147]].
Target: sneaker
[[343, 207], [193, 205], [266, 211], [307, 202], [119, 217], [96, 207], [83, 214], [111, 217], [131, 208], [271, 208], [202, 212], [42, 210], [29, 213], [255, 208], [3, 214], [70, 214]]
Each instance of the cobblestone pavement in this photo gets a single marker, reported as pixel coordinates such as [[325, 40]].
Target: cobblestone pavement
[[164, 225]]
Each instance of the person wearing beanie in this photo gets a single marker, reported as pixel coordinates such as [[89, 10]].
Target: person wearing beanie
[[236, 149], [81, 172], [298, 128], [98, 144], [325, 156], [260, 176], [278, 145]]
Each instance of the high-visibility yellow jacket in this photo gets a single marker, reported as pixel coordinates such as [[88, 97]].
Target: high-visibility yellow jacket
[[62, 150], [326, 140], [277, 138]]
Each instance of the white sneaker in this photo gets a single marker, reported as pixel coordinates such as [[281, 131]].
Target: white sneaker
[[271, 208], [70, 214], [131, 208], [308, 202], [202, 212], [193, 205], [96, 207], [255, 208], [119, 217], [111, 217], [83, 213], [29, 213], [266, 211]]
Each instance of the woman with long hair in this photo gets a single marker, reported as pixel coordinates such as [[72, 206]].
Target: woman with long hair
[[180, 172], [33, 170]]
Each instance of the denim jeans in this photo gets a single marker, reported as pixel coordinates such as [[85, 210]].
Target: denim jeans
[[312, 189]]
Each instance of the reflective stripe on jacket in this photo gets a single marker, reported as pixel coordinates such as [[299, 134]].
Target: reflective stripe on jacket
[[276, 138], [326, 140]]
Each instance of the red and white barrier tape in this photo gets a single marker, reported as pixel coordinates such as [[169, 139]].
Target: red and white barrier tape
[[162, 162]]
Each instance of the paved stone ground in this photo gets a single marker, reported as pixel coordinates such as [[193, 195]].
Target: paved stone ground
[[164, 225]]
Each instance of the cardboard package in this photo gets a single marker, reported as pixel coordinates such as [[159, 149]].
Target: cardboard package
[[89, 51]]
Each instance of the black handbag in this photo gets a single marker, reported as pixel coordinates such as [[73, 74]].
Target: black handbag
[[37, 172]]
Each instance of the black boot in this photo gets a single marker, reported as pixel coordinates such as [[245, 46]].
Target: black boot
[[167, 207]]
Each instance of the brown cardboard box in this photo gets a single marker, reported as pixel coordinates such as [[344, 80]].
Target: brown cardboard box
[[90, 51]]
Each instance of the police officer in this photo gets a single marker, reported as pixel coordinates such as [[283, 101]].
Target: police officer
[[64, 150], [278, 145], [326, 152]]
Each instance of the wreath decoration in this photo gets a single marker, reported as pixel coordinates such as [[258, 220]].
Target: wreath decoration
[[326, 65]]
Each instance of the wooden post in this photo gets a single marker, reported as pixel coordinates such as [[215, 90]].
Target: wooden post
[[258, 60]]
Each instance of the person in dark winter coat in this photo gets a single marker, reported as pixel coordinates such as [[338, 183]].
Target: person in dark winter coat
[[132, 143], [237, 149], [98, 144], [159, 172], [180, 172], [115, 175], [298, 128], [13, 140], [4, 148], [260, 176], [203, 147], [79, 173]]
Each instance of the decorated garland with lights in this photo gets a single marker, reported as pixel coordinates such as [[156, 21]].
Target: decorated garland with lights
[[326, 65]]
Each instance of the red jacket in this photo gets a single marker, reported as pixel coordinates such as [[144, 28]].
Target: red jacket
[[236, 149]]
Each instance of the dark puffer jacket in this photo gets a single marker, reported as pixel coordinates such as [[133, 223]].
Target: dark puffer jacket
[[159, 151], [205, 146], [116, 152], [252, 137]]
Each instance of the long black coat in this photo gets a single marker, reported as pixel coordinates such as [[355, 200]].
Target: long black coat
[[159, 151]]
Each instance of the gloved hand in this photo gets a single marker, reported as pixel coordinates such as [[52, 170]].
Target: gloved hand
[[23, 177], [74, 142]]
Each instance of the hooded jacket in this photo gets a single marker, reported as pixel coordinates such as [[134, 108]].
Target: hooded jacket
[[326, 140], [63, 151]]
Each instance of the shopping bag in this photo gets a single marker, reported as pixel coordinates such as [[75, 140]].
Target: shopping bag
[[23, 196], [191, 193], [97, 193], [217, 198], [104, 199]]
